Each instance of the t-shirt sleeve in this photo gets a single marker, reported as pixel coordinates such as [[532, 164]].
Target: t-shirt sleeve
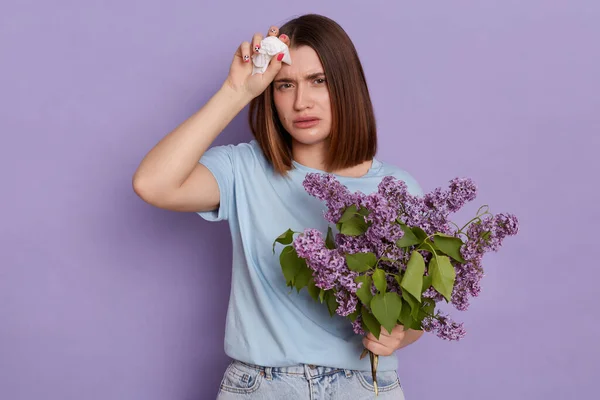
[[220, 162], [417, 190]]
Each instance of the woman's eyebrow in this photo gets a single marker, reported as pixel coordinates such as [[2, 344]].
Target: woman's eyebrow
[[312, 76]]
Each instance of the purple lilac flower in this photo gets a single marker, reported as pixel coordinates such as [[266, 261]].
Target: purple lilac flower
[[352, 244], [395, 191], [392, 284], [508, 224], [329, 269], [433, 294], [381, 211], [327, 188], [484, 236], [347, 303], [393, 201], [357, 326], [444, 327], [414, 212], [308, 243], [487, 235], [467, 284], [462, 190], [438, 204]]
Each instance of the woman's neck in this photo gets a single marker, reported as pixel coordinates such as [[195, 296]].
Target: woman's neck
[[313, 156]]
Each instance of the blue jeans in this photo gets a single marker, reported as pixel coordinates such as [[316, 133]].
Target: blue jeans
[[309, 382]]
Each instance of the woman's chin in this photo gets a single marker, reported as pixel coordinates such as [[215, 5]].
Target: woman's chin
[[308, 138]]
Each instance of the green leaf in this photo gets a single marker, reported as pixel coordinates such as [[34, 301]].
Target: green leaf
[[386, 308], [442, 274], [332, 303], [322, 295], [361, 262], [409, 238], [303, 276], [429, 246], [285, 238], [349, 212], [449, 245], [428, 306], [355, 226], [412, 303], [412, 281], [364, 293], [355, 314], [398, 279], [313, 290], [419, 233], [405, 318], [370, 322], [426, 283], [290, 263], [364, 211], [416, 324], [329, 241], [380, 281]]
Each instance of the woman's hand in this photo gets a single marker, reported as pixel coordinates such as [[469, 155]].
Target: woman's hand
[[390, 342], [240, 76]]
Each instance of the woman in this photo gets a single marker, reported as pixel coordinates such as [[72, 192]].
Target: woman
[[314, 115]]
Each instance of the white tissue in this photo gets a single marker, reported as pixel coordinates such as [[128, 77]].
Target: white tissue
[[269, 47]]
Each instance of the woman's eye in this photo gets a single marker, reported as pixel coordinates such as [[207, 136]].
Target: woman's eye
[[320, 80], [284, 86]]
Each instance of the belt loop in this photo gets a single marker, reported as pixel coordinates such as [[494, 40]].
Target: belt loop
[[269, 373], [307, 374]]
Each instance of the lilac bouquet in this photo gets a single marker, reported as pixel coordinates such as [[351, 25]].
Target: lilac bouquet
[[394, 255]]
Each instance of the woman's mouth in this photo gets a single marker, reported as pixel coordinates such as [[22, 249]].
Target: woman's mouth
[[306, 123]]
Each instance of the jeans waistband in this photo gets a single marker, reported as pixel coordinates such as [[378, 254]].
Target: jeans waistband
[[307, 370]]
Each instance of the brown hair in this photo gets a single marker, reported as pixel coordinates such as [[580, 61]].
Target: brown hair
[[353, 136]]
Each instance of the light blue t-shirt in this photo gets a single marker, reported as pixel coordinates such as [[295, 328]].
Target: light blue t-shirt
[[267, 322]]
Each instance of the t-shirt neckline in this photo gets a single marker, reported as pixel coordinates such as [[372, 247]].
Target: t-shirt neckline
[[375, 166]]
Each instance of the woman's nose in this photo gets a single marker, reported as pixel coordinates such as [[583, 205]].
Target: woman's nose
[[303, 99]]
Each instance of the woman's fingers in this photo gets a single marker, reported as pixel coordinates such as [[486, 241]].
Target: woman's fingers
[[244, 51], [247, 49], [273, 31], [285, 39], [377, 347], [256, 39]]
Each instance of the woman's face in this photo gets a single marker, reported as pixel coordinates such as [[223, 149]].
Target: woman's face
[[301, 97]]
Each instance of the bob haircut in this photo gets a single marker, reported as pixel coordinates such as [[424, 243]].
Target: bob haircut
[[353, 136]]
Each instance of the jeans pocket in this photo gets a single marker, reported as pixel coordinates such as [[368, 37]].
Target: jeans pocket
[[386, 380], [241, 379]]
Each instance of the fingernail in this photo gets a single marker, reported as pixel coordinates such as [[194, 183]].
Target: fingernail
[[280, 57], [246, 58], [257, 47], [273, 30]]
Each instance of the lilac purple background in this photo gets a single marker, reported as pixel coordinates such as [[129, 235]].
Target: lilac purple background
[[105, 297]]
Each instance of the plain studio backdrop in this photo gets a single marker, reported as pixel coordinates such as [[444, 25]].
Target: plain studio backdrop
[[105, 297]]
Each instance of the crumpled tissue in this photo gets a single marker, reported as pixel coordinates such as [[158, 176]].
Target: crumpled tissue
[[269, 47]]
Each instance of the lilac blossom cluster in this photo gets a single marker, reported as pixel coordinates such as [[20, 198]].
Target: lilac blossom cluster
[[484, 235], [329, 269], [444, 327], [392, 203]]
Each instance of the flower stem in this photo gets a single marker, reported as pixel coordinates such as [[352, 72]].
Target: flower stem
[[374, 361]]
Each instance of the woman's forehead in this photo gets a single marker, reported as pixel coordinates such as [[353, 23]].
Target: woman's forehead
[[305, 61]]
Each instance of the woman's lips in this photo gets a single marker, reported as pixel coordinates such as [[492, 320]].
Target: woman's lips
[[307, 123]]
